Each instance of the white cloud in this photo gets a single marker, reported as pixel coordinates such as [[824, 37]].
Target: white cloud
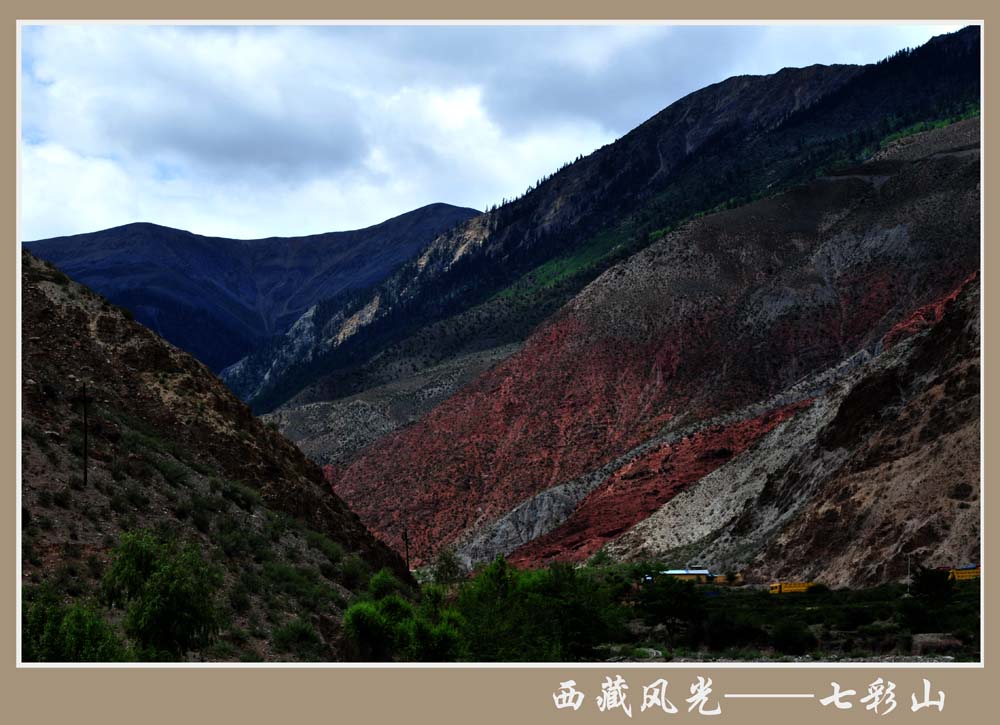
[[259, 131]]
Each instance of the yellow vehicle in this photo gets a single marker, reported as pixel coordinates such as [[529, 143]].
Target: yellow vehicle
[[789, 587], [965, 573]]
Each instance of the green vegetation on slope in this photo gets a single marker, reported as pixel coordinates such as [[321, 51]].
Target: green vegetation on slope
[[599, 248], [971, 111]]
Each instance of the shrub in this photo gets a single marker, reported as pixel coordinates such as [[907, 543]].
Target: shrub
[[135, 496], [235, 540], [55, 632], [333, 551], [369, 631], [173, 473], [182, 509], [792, 637], [62, 498], [239, 599], [277, 524], [244, 497], [354, 572], [300, 638], [383, 584], [301, 583]]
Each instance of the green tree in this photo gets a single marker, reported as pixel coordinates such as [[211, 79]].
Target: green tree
[[675, 604], [384, 583], [370, 632], [553, 614], [448, 568], [168, 592]]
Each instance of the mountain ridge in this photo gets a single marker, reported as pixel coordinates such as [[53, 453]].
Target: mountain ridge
[[219, 297], [788, 125]]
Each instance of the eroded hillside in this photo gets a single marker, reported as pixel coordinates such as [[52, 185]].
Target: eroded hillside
[[169, 449]]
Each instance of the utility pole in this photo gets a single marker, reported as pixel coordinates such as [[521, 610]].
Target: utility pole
[[406, 546], [86, 450]]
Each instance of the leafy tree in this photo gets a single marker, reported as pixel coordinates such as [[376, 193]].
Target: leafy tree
[[448, 568], [673, 603], [370, 631], [383, 583], [553, 614], [168, 592], [430, 642]]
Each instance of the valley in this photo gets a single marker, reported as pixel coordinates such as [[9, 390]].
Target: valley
[[743, 337]]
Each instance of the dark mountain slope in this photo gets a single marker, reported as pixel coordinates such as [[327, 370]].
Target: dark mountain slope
[[172, 450], [728, 142], [221, 298], [681, 356]]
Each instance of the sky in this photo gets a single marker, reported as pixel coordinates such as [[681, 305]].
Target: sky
[[260, 131]]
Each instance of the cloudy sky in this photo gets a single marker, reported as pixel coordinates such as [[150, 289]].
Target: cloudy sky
[[259, 131]]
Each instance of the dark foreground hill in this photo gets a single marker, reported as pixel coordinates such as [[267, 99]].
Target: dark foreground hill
[[173, 460], [219, 299]]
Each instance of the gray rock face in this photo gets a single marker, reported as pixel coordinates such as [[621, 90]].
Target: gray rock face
[[334, 432]]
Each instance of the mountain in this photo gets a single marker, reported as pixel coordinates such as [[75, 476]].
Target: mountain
[[219, 299], [481, 289], [741, 336], [882, 470], [169, 450], [754, 351]]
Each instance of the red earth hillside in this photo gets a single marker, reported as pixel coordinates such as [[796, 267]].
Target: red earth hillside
[[639, 488], [924, 317]]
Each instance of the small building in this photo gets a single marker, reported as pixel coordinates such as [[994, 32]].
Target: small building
[[699, 576]]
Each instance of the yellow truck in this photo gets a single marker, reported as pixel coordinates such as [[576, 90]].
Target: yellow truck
[[965, 573], [789, 587]]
